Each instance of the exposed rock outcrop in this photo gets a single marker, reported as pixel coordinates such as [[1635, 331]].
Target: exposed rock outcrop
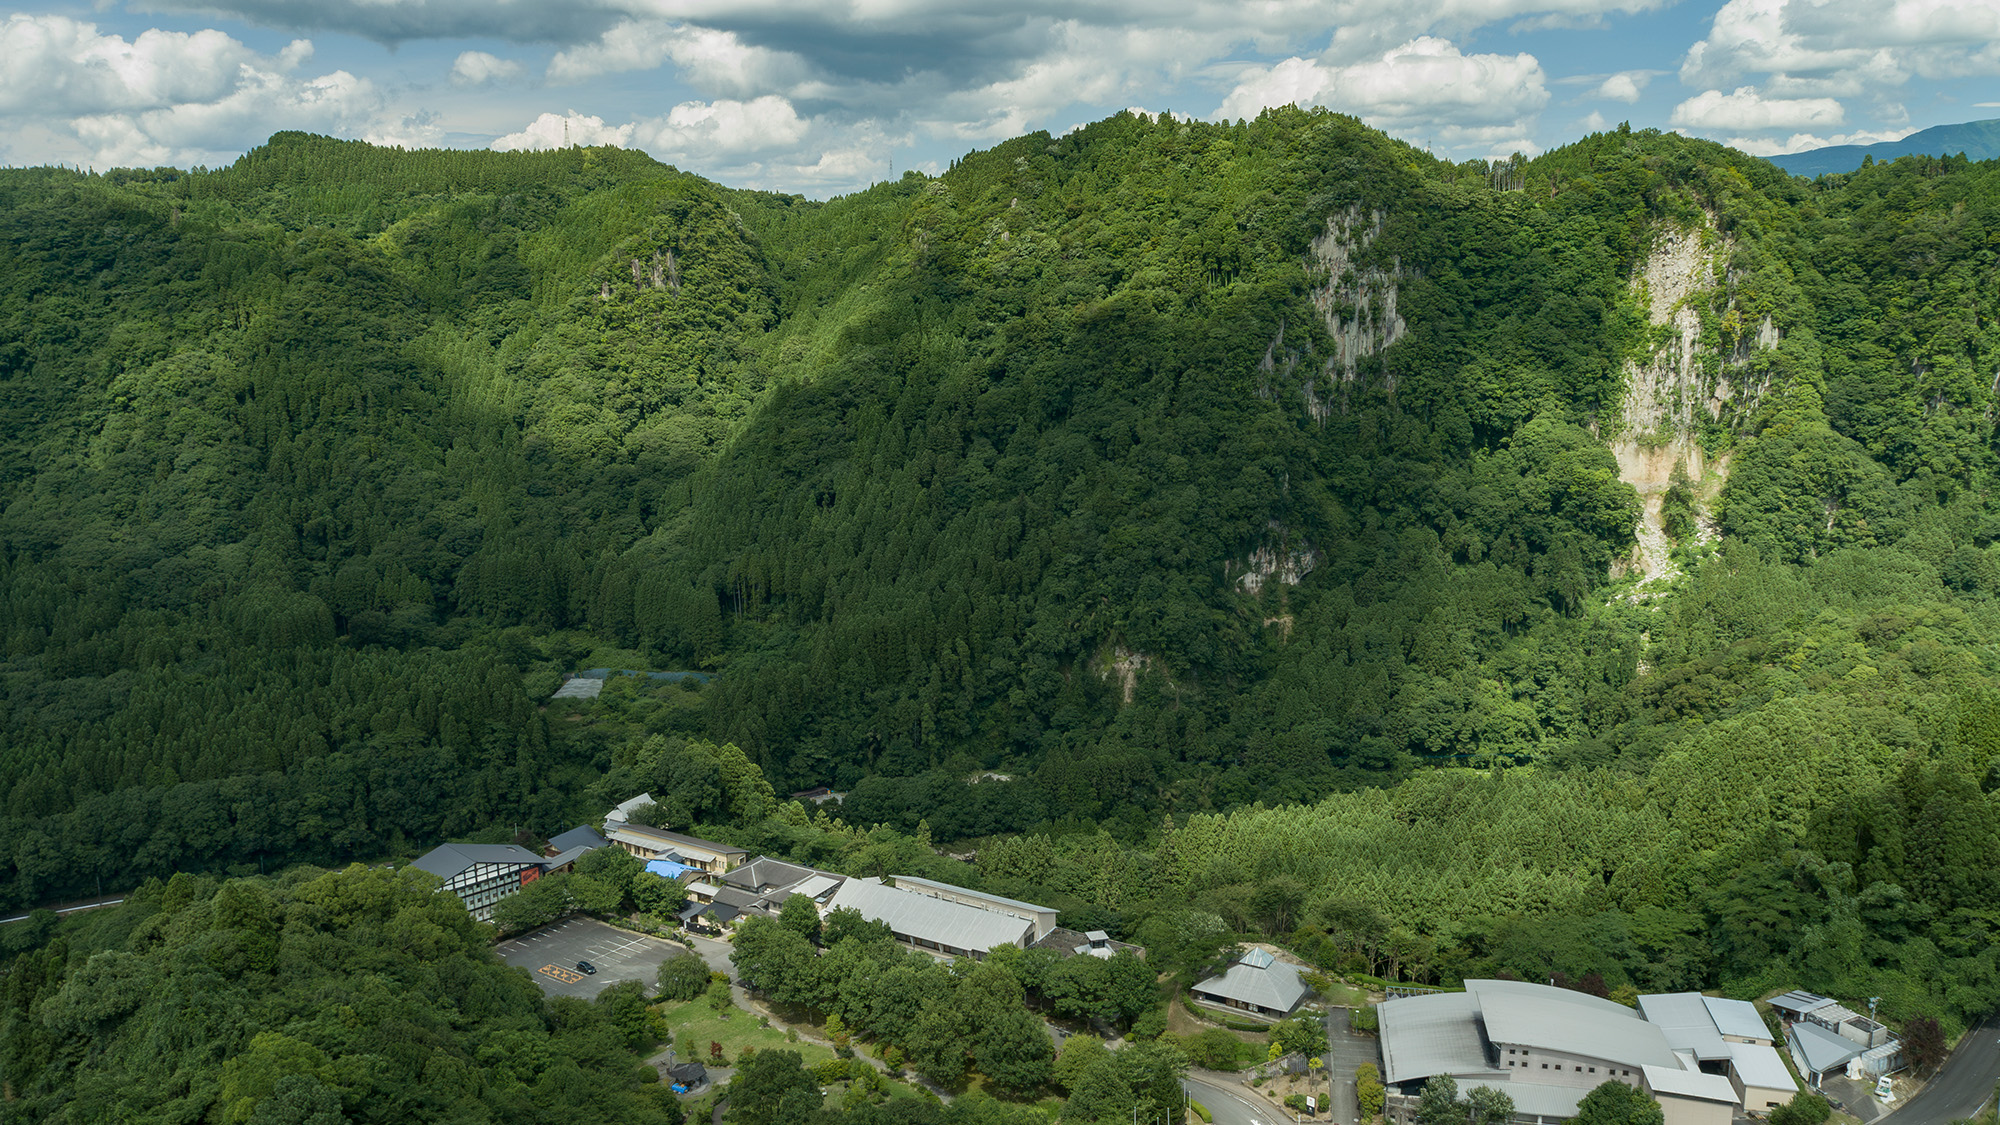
[[1356, 298], [1681, 385], [1282, 559]]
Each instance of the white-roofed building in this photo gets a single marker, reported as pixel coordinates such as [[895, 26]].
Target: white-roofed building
[[1257, 982], [930, 922], [1548, 1047], [1685, 1021], [1761, 1078], [1738, 1021], [1819, 1052], [1044, 917], [1567, 1038], [656, 843], [1439, 1033], [1794, 1004], [1724, 1037], [1689, 1097]]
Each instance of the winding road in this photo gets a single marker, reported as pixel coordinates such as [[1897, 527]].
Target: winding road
[[1963, 1084], [1231, 1108]]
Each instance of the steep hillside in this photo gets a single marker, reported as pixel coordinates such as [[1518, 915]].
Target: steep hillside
[[1163, 466]]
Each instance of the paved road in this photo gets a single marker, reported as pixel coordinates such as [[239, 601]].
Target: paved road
[[1346, 1050], [93, 904], [1963, 1084], [715, 953], [1231, 1108]]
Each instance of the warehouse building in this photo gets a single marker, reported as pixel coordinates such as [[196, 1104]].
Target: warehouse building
[[934, 922], [1702, 1058]]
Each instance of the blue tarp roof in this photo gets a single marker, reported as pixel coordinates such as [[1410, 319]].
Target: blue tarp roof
[[668, 868]]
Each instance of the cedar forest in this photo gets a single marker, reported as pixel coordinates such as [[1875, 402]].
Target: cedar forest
[[1055, 510]]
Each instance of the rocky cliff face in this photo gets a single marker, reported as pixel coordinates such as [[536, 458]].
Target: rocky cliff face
[[1682, 384], [1357, 301]]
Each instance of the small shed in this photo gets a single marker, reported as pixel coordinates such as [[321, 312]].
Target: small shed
[[1795, 1004], [1819, 1052], [685, 1078]]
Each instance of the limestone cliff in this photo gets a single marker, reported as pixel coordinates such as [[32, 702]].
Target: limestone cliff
[[1357, 301], [1681, 384]]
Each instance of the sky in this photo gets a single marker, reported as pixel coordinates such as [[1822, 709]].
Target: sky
[[822, 97]]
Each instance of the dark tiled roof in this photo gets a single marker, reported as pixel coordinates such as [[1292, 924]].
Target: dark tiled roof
[[447, 860], [583, 835]]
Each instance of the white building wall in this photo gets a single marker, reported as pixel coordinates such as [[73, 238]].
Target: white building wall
[[1555, 1068]]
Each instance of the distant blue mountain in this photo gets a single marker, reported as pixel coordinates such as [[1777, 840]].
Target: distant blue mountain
[[1978, 140]]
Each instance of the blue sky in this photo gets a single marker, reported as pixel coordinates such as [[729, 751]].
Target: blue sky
[[823, 96]]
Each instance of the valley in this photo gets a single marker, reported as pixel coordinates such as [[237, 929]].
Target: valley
[[1218, 533]]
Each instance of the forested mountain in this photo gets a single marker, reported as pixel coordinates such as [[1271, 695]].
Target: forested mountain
[[1977, 140], [1162, 467]]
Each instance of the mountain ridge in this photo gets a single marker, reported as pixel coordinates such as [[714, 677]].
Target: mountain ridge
[[1163, 464], [1976, 140]]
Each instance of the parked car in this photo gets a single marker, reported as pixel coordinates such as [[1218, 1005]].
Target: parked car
[[585, 967]]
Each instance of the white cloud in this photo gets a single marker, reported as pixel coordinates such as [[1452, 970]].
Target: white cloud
[[565, 130], [822, 27], [1800, 142], [337, 103], [57, 65], [1091, 65], [168, 97], [715, 61], [1747, 110], [1839, 47], [1425, 90], [1295, 81], [889, 71], [723, 129], [477, 68], [761, 143], [1624, 86]]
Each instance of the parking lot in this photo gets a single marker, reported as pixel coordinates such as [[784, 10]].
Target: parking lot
[[550, 955]]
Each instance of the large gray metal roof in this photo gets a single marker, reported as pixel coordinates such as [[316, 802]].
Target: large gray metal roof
[[1736, 1017], [655, 837], [623, 811], [1758, 1065], [1557, 1019], [1684, 1019], [1536, 1098], [1823, 1050], [936, 920], [1689, 1084], [1258, 979], [767, 872], [447, 860], [1432, 1034], [932, 884]]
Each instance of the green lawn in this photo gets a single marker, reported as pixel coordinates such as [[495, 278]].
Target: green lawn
[[696, 1025], [1347, 995]]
